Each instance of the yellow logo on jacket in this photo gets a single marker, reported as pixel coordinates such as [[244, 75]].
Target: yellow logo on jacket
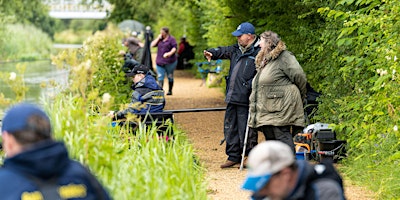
[[66, 192]]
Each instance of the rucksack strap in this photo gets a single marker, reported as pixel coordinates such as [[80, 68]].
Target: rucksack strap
[[48, 188]]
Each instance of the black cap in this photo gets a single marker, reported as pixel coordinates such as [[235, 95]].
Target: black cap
[[138, 69]]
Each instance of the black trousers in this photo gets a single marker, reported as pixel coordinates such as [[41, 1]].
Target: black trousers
[[235, 124], [281, 133]]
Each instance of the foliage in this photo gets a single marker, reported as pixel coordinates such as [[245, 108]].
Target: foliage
[[36, 15], [114, 153], [100, 65], [360, 86], [144, 11], [134, 163], [129, 166], [15, 81], [72, 37], [23, 42], [76, 31]]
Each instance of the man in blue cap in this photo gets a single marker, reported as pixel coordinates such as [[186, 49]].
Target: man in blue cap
[[36, 166], [238, 88], [273, 173]]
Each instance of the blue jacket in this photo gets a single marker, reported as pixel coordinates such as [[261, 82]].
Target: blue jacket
[[45, 161], [241, 72], [146, 92]]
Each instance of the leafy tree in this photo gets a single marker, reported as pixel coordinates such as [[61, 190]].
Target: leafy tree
[[144, 11], [33, 12]]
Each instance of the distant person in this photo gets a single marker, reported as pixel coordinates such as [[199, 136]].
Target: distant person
[[135, 48], [147, 95], [278, 91], [238, 88], [166, 59], [146, 58], [36, 166], [274, 174], [185, 53]]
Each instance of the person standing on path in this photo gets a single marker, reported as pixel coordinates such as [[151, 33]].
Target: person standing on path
[[279, 88], [166, 59], [238, 88]]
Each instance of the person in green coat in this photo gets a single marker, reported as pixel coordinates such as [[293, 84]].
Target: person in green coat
[[278, 90]]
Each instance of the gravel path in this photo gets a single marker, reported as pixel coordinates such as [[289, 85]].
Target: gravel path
[[205, 131]]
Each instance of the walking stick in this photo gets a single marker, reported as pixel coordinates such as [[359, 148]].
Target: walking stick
[[245, 143]]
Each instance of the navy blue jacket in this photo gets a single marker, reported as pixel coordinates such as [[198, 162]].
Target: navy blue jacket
[[146, 92], [241, 72], [45, 161]]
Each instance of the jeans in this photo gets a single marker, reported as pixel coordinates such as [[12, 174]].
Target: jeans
[[169, 69]]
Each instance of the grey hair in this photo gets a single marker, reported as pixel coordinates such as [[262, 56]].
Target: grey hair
[[271, 39]]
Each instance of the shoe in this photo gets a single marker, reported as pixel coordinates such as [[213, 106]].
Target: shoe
[[229, 163], [169, 93]]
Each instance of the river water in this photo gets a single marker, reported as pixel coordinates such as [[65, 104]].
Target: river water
[[39, 77]]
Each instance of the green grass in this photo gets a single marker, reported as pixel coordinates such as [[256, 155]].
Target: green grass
[[141, 166]]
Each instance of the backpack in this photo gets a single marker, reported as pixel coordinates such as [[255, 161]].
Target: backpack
[[324, 169]]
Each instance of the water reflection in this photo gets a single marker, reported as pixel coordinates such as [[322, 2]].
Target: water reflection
[[42, 78]]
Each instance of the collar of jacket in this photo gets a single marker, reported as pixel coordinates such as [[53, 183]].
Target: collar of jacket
[[255, 43], [272, 55]]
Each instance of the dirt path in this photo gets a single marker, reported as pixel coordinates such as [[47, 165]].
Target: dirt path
[[205, 131]]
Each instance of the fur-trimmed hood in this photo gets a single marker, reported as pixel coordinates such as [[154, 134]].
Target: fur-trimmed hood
[[263, 57]]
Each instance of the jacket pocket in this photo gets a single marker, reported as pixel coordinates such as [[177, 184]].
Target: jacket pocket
[[274, 101]]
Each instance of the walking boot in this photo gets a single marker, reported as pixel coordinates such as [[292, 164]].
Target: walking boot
[[170, 85], [161, 84], [229, 164]]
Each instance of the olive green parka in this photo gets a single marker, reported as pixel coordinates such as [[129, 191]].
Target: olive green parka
[[278, 91]]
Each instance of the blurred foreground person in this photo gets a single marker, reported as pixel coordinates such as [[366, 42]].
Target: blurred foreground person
[[36, 166], [274, 174]]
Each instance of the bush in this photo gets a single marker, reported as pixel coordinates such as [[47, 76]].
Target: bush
[[24, 42]]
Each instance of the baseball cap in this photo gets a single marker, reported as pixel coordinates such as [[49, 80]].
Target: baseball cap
[[244, 28], [16, 118], [138, 69], [266, 159]]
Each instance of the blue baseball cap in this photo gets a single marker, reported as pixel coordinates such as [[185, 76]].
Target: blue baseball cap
[[244, 28], [16, 118], [266, 159]]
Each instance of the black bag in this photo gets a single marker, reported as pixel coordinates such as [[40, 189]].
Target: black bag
[[328, 171]]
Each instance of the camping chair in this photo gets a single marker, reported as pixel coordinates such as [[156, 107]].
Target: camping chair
[[204, 68]]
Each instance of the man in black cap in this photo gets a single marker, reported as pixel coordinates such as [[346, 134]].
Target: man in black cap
[[238, 88], [147, 96], [36, 166]]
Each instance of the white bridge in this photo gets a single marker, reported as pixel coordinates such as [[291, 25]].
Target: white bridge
[[76, 9]]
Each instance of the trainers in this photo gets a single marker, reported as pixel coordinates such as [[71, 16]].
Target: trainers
[[229, 163]]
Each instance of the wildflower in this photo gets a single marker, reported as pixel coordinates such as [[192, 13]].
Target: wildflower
[[395, 58], [13, 76], [106, 98], [395, 128], [88, 64]]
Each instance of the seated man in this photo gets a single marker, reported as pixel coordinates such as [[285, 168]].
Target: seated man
[[146, 92]]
